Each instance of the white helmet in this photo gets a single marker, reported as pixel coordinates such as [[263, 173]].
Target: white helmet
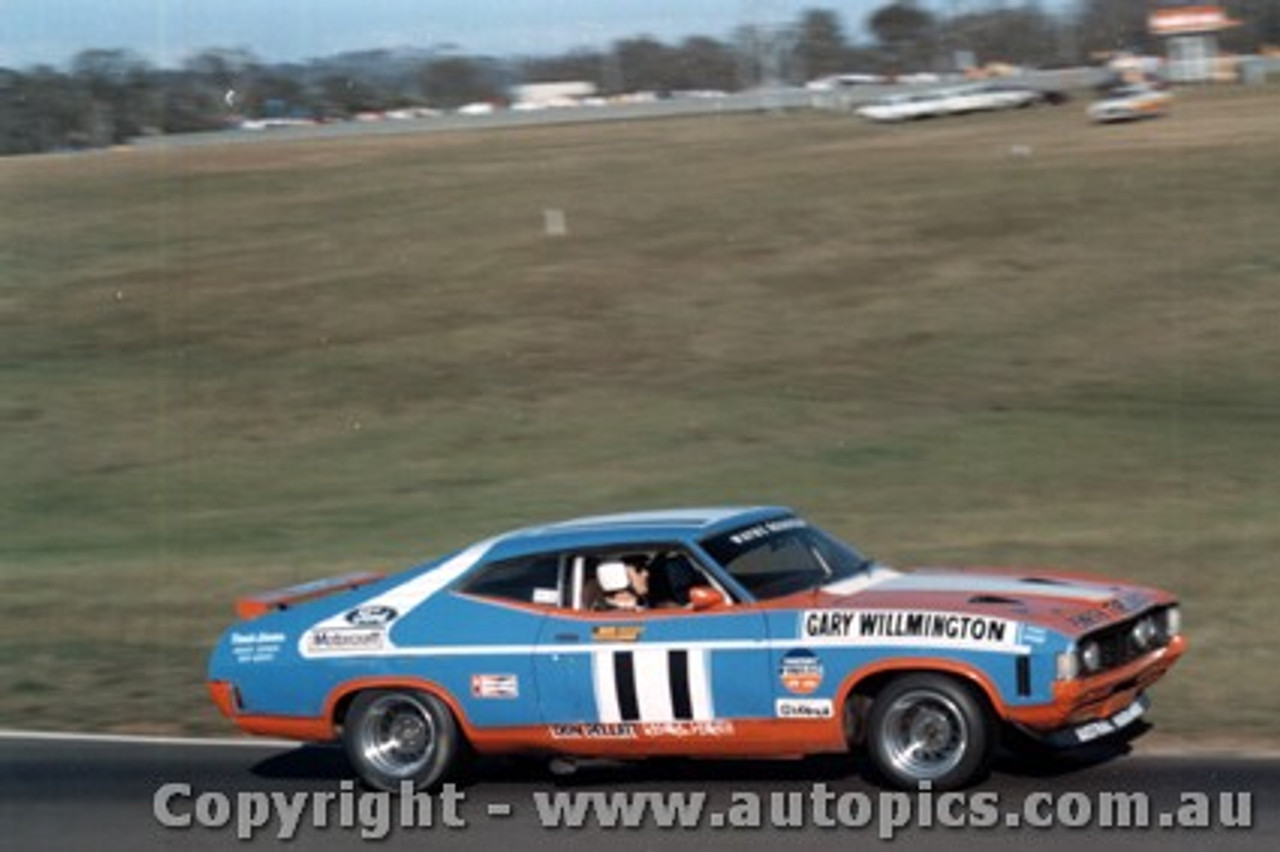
[[613, 576]]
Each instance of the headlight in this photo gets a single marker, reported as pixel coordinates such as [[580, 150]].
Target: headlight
[[1090, 656], [1144, 632], [1068, 665], [1172, 621]]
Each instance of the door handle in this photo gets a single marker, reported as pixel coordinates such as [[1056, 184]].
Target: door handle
[[567, 637]]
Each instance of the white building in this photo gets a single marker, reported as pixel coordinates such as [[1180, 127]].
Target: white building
[[544, 95]]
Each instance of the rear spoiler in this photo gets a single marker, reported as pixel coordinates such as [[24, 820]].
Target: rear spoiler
[[260, 604]]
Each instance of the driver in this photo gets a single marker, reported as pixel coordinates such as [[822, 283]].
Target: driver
[[625, 585]]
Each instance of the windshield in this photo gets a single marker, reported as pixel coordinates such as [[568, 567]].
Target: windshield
[[777, 558]]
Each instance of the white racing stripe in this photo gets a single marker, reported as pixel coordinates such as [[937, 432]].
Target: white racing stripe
[[653, 684], [1065, 589], [700, 684], [605, 681]]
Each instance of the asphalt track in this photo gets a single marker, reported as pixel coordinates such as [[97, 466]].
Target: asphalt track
[[76, 794]]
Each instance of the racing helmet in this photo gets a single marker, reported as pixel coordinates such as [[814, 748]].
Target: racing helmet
[[612, 576]]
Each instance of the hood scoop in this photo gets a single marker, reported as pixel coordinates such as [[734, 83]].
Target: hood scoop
[[996, 600]]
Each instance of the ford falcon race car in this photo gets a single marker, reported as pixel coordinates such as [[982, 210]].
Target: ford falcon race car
[[748, 633]]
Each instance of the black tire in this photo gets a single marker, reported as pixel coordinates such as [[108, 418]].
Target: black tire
[[930, 727], [393, 736]]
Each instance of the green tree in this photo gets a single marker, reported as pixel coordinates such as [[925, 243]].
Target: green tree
[[580, 65], [905, 31], [704, 63], [1105, 26], [453, 81], [125, 102], [1024, 35], [821, 46], [644, 64]]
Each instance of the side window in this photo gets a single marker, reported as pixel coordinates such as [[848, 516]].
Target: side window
[[666, 577], [531, 580]]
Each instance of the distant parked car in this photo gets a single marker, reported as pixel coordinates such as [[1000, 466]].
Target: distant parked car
[[1128, 103], [835, 82], [987, 97], [1014, 96], [906, 107]]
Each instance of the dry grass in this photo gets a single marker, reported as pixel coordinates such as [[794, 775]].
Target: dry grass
[[224, 369]]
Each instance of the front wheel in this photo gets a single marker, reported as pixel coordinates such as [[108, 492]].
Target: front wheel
[[929, 727], [392, 737]]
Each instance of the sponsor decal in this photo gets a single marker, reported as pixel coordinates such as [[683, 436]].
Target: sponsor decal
[[1112, 609], [550, 597], [635, 730], [371, 615], [617, 633], [800, 672], [681, 730], [256, 647], [1103, 727], [596, 731], [1034, 635], [925, 627], [804, 708], [345, 640], [765, 530], [495, 686]]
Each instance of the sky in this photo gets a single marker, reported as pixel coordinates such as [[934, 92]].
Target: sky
[[166, 31]]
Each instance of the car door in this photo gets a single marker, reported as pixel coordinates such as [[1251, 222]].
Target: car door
[[655, 667]]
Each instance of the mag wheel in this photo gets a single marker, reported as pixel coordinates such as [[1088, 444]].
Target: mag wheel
[[393, 737], [931, 728]]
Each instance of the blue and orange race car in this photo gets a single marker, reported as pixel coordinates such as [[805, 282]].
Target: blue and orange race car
[[723, 632]]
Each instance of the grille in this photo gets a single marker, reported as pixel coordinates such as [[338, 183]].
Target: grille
[[1117, 644]]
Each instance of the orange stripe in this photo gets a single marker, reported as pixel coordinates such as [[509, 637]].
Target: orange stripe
[[927, 664], [751, 738]]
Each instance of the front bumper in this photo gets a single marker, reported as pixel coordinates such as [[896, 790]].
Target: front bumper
[[1089, 704], [1078, 735]]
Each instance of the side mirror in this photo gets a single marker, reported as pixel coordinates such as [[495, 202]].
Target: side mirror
[[705, 597]]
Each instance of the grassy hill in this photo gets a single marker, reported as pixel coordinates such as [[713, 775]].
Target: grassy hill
[[1002, 339]]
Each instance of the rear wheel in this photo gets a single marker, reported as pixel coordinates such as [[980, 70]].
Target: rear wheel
[[929, 727], [394, 736]]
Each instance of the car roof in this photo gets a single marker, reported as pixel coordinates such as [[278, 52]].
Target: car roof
[[683, 525]]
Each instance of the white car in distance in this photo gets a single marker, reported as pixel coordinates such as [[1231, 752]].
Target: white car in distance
[[907, 106]]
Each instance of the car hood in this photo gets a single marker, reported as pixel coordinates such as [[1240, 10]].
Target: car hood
[[1071, 604]]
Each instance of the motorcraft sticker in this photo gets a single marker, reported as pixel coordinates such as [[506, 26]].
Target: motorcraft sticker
[[344, 640]]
